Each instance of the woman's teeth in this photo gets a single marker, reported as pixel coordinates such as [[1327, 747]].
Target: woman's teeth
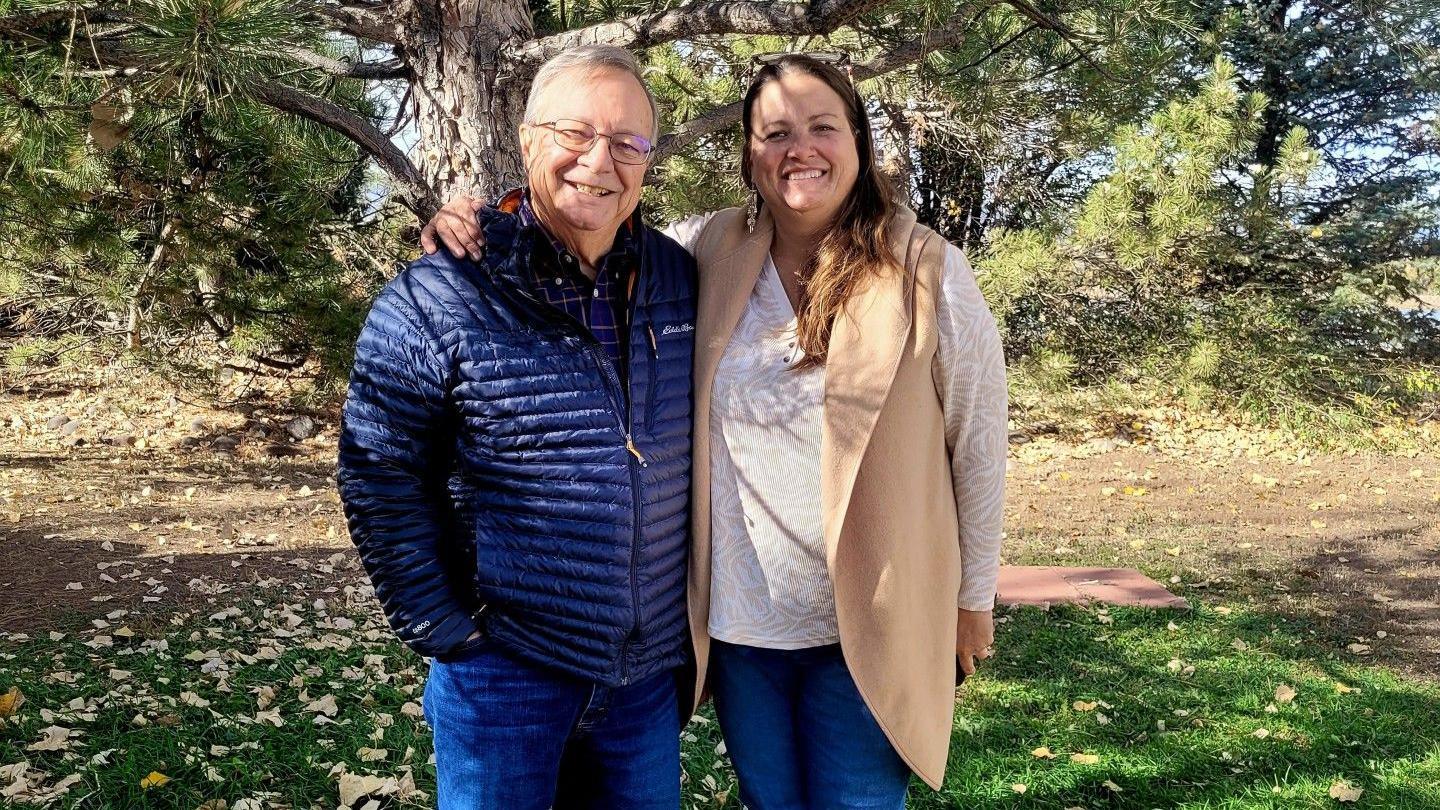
[[593, 191], [809, 174]]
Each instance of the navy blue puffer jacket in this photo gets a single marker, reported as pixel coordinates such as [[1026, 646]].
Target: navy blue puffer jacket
[[484, 468]]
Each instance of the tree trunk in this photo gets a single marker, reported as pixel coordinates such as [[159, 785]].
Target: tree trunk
[[468, 97], [135, 323], [1275, 81]]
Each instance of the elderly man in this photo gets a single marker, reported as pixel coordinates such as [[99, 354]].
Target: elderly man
[[515, 467]]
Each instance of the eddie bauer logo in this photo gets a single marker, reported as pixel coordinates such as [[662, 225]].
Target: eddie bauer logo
[[675, 329]]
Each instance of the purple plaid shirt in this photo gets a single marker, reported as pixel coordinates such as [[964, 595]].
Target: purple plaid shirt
[[602, 305]]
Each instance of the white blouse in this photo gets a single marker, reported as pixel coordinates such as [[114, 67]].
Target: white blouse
[[770, 587]]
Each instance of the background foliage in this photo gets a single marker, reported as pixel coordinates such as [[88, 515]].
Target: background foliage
[[1233, 204]]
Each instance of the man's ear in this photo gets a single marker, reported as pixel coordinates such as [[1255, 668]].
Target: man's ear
[[525, 144]]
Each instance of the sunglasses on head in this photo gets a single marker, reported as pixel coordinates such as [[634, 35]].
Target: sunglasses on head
[[838, 59]]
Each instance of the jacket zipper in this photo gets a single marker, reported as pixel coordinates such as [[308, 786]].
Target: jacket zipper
[[607, 369], [635, 499]]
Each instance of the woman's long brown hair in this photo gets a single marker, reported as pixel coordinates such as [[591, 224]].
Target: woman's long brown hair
[[856, 246]]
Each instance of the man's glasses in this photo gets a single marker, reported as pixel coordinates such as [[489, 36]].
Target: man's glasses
[[578, 136]]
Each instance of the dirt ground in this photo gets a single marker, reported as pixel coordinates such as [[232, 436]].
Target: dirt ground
[[118, 493]]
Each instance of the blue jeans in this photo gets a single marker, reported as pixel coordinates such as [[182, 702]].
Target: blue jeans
[[799, 733], [511, 735]]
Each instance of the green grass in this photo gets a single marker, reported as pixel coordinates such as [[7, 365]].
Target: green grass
[[1383, 737]]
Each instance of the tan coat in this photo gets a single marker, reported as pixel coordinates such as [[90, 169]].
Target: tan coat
[[887, 495]]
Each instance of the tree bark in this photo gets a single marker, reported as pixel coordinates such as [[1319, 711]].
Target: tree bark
[[1274, 84], [135, 320], [468, 96]]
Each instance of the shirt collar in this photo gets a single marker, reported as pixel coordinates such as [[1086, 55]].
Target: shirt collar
[[517, 201]]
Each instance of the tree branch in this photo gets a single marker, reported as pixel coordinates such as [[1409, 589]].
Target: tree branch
[[702, 19], [23, 24], [363, 23], [414, 193], [1064, 31], [726, 115], [411, 187], [945, 36], [389, 69]]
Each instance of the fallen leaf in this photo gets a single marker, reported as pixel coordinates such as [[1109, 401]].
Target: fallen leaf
[[325, 705], [1342, 791], [1083, 706], [1284, 693], [1085, 759], [1260, 733], [354, 786], [155, 779], [372, 754], [10, 702], [1018, 787], [1043, 752], [1112, 786], [56, 739]]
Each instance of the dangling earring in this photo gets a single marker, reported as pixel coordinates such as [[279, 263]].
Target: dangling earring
[[752, 210]]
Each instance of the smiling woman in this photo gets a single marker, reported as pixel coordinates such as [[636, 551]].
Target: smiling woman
[[810, 158]]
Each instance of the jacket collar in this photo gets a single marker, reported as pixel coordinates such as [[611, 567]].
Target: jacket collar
[[511, 241], [627, 243]]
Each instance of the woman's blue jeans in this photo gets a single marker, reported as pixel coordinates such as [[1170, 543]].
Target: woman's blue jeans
[[512, 735], [799, 733]]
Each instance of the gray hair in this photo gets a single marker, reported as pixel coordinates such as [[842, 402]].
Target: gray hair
[[588, 59]]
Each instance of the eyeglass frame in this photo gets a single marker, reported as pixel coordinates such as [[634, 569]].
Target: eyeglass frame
[[610, 136]]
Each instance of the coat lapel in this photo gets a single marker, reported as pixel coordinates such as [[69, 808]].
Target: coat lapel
[[867, 343], [724, 289], [727, 277]]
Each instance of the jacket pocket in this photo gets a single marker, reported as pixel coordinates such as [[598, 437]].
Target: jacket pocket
[[465, 650]]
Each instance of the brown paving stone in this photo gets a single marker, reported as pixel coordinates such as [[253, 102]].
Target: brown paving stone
[[1053, 585]]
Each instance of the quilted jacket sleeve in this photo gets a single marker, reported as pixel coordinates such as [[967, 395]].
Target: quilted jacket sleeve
[[393, 430]]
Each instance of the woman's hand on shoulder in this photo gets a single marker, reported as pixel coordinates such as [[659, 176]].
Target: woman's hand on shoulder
[[457, 227]]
